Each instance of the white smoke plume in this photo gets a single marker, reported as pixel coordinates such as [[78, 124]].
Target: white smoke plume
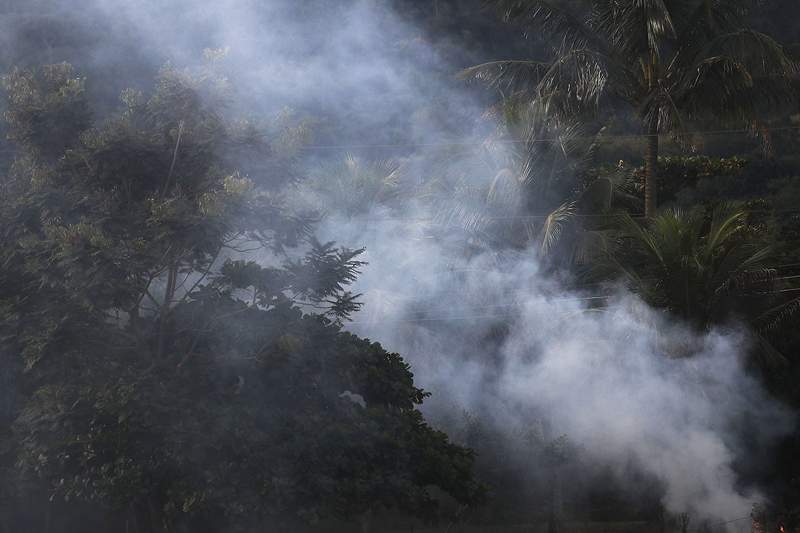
[[607, 379]]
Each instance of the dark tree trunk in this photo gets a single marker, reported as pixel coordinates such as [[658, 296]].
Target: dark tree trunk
[[651, 172]]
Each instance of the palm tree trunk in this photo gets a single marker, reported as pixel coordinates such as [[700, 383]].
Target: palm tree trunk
[[651, 172]]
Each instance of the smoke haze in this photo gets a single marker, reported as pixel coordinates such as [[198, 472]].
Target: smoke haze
[[608, 380]]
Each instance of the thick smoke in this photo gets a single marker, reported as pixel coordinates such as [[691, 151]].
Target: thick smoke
[[609, 380], [612, 381]]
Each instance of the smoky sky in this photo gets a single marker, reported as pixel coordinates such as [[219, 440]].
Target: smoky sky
[[365, 75], [359, 69]]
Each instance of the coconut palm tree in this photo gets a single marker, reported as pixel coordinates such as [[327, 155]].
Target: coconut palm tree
[[676, 63]]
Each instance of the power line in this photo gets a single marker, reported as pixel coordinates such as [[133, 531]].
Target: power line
[[444, 318], [516, 304], [541, 217], [732, 521], [519, 303], [430, 319], [696, 530], [458, 318], [575, 288], [599, 138]]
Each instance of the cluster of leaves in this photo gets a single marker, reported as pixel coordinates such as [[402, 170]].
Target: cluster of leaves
[[318, 280], [158, 375], [244, 421]]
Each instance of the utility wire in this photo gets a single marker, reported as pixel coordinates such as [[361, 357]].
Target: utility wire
[[447, 318], [440, 317], [696, 530], [430, 319], [576, 288], [519, 303], [540, 217], [731, 521], [599, 137], [312, 147]]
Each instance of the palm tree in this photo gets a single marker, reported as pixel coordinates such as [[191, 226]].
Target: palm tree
[[353, 186], [675, 62], [520, 191], [696, 267]]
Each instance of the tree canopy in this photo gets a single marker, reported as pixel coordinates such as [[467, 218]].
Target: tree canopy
[[158, 372]]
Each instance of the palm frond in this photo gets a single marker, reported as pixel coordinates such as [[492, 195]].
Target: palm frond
[[554, 225], [634, 27], [736, 75], [767, 355], [641, 235], [509, 76], [734, 259], [505, 188], [574, 84], [726, 220], [698, 19], [779, 315], [592, 246], [566, 21], [765, 352]]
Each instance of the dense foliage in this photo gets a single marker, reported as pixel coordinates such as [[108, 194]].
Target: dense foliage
[[157, 375], [677, 65]]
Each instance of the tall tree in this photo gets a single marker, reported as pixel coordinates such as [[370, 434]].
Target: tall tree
[[676, 63], [163, 378]]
